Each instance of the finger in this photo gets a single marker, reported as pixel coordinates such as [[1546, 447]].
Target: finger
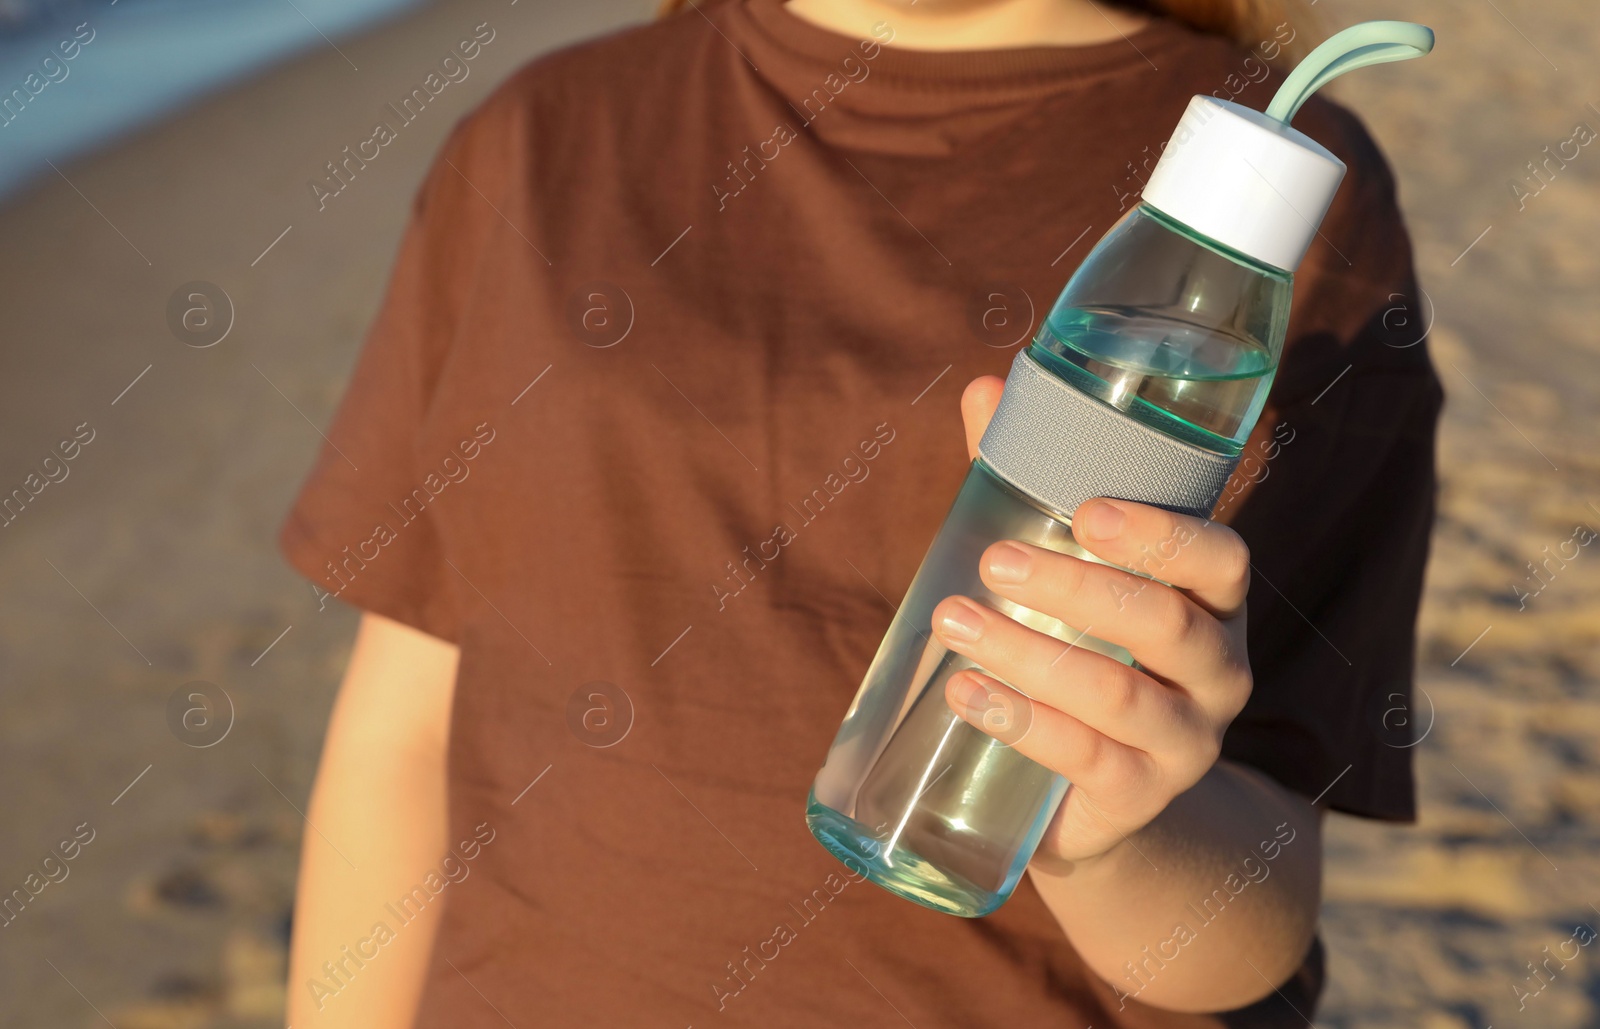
[[1169, 634], [1102, 692], [978, 402], [1058, 741], [1207, 559]]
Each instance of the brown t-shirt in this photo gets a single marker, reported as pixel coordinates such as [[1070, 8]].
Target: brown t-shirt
[[656, 292]]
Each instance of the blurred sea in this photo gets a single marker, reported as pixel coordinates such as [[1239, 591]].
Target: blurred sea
[[140, 59]]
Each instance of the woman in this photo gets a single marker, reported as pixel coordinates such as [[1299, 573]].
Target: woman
[[667, 291]]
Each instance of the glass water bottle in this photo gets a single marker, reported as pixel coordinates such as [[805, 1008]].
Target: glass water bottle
[[1161, 331]]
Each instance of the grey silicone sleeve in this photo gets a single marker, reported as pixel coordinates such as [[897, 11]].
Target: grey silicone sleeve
[[1062, 446]]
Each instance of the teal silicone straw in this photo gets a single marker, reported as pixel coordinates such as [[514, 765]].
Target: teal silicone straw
[[1371, 42]]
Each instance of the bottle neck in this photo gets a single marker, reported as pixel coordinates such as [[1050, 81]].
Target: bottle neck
[[1172, 224], [1172, 329]]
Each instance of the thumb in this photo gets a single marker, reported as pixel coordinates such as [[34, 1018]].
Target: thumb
[[978, 402]]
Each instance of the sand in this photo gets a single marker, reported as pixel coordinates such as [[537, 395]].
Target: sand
[[151, 564]]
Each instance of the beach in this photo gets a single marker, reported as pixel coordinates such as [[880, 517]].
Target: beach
[[146, 572]]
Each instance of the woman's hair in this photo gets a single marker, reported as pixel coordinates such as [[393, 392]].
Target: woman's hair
[[1253, 24]]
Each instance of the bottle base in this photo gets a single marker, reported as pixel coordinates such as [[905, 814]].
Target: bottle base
[[896, 869]]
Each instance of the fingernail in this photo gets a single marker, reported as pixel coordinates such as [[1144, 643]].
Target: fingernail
[[961, 622], [1099, 521], [1009, 563], [964, 693]]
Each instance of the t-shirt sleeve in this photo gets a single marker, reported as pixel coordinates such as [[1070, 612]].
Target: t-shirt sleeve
[[1335, 498], [361, 528]]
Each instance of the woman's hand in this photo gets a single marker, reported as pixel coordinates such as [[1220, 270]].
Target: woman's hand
[[1128, 740]]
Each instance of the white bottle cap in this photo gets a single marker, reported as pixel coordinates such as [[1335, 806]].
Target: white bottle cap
[[1245, 180]]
